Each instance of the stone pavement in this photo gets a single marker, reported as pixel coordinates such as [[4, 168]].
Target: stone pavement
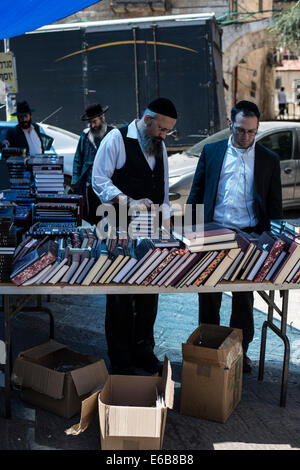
[[258, 422]]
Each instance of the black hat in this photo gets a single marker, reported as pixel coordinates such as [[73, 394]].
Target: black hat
[[22, 109], [93, 111], [163, 106]]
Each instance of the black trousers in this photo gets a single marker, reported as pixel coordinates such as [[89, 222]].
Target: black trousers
[[129, 325], [241, 314]]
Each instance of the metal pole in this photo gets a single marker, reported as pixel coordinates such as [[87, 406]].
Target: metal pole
[[136, 76]]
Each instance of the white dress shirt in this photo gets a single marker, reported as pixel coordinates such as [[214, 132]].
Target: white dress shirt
[[111, 155], [34, 142], [235, 201]]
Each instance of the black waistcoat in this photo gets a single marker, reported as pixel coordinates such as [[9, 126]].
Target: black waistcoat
[[135, 178]]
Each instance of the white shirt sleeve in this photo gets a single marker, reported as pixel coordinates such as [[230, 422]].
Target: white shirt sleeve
[[110, 155]]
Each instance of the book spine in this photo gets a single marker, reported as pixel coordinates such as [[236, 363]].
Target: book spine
[[212, 266], [33, 269], [270, 260], [159, 268]]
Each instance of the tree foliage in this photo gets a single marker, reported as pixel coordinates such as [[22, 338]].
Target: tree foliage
[[286, 28]]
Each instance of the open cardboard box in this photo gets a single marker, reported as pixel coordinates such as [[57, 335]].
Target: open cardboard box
[[56, 378], [128, 413], [211, 377]]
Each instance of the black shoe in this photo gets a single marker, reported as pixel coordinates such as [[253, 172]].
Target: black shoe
[[148, 361], [247, 364]]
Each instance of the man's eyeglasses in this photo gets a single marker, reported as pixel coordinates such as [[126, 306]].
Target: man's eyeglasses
[[162, 130], [241, 131]]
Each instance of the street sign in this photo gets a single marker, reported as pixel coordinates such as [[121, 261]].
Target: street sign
[[8, 72]]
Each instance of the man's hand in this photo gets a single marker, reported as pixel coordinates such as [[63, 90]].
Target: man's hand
[[4, 143], [139, 204]]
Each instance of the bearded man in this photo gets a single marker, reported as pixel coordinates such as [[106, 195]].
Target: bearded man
[[84, 158], [131, 168], [26, 134]]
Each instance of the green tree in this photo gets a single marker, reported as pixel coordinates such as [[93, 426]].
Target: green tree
[[286, 28]]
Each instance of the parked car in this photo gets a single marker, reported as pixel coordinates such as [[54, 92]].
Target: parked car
[[64, 143], [279, 136]]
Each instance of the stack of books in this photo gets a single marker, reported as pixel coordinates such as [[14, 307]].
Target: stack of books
[[8, 242], [48, 174], [17, 167], [55, 208]]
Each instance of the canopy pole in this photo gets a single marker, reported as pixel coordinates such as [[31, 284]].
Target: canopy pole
[[10, 98]]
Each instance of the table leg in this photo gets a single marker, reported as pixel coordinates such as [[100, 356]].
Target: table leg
[[7, 339], [281, 333]]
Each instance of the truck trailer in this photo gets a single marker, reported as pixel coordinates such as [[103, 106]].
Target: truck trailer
[[125, 64]]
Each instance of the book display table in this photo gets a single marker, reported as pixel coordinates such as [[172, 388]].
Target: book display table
[[12, 307]]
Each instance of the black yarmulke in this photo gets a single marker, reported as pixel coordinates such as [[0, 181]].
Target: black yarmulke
[[249, 105], [163, 106]]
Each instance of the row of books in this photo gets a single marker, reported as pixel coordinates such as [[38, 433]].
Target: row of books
[[148, 262]]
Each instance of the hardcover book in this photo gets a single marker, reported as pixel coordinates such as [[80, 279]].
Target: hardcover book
[[163, 254], [84, 259], [36, 261], [222, 267], [194, 268], [275, 251], [101, 256], [139, 255], [145, 265], [212, 233], [61, 261], [75, 260], [122, 263], [170, 255], [206, 262], [288, 264], [182, 256], [116, 257], [210, 268], [221, 245], [182, 269], [167, 268]]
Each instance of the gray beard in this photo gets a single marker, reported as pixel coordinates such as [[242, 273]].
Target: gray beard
[[100, 131], [151, 146]]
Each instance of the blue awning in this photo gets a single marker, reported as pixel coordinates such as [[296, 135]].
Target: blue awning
[[22, 16]]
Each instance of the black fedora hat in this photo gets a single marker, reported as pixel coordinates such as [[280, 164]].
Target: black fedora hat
[[22, 109], [93, 111]]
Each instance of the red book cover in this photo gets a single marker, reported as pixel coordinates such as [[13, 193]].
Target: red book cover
[[270, 260], [46, 257], [210, 268]]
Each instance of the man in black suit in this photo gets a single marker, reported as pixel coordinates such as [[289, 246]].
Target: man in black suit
[[26, 134], [238, 182]]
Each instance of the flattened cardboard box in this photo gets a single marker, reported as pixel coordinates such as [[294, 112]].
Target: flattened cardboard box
[[128, 416], [39, 373], [211, 377]]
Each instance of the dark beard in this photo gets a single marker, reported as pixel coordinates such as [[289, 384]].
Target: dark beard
[[25, 124], [151, 145]]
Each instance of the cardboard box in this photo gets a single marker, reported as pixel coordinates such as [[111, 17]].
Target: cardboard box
[[211, 377], [56, 378], [128, 413]]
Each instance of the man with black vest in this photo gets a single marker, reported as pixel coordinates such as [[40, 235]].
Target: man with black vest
[[131, 168]]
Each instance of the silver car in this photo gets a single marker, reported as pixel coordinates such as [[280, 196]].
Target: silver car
[[279, 136]]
